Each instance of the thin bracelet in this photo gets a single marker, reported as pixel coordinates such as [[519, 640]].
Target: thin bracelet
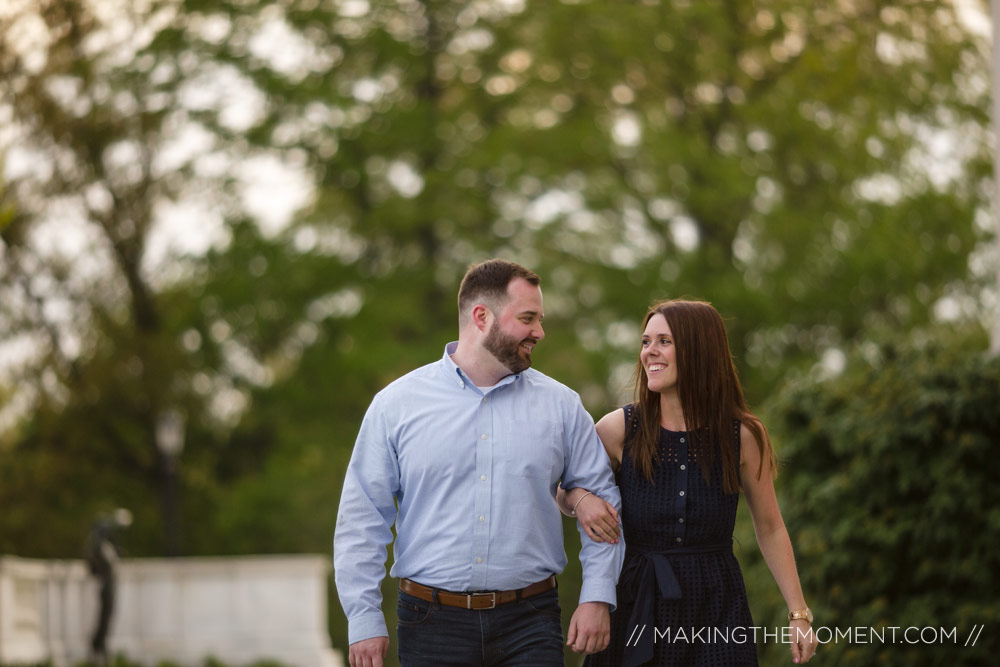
[[573, 511]]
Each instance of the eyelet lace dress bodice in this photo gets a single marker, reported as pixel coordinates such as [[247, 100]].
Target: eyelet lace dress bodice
[[681, 597]]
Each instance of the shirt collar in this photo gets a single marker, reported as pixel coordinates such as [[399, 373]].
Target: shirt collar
[[452, 370]]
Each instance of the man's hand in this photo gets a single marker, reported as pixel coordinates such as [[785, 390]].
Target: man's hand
[[369, 652], [590, 628]]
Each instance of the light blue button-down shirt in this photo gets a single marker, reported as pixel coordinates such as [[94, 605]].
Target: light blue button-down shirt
[[475, 477]]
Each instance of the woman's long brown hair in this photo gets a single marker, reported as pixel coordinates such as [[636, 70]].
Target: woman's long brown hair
[[710, 392]]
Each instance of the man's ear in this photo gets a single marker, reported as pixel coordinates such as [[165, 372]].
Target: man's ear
[[481, 317]]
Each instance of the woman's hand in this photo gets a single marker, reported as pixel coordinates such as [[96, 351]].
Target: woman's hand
[[599, 518], [804, 642]]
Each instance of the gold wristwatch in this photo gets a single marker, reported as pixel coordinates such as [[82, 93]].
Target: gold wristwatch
[[803, 614]]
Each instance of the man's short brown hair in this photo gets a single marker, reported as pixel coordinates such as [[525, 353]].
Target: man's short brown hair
[[487, 283]]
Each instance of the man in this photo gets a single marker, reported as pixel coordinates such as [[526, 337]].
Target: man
[[472, 448]]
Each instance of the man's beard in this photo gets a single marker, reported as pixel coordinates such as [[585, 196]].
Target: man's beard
[[507, 349]]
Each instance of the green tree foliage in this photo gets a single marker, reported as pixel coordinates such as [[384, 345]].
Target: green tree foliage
[[97, 357], [772, 158], [891, 500], [108, 326], [765, 156]]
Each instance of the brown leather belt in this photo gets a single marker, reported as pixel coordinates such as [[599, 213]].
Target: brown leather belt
[[475, 600]]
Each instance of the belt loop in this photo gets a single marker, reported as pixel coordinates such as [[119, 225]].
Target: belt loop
[[434, 597]]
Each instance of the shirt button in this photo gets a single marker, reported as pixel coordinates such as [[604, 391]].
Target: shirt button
[[461, 384], [683, 467], [682, 493], [482, 477], [682, 439], [482, 517], [681, 520], [678, 539], [479, 559], [484, 436]]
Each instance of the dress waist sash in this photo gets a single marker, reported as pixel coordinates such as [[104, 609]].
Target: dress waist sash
[[643, 575]]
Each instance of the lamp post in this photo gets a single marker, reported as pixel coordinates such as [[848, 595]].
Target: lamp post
[[170, 443]]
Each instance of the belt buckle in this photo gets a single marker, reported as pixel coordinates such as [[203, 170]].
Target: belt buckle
[[493, 600]]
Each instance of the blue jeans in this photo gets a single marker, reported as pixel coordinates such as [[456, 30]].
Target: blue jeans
[[525, 632]]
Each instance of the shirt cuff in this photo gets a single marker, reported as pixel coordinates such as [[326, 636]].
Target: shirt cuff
[[599, 591], [366, 626]]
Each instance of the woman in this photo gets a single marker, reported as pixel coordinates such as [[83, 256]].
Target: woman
[[682, 453]]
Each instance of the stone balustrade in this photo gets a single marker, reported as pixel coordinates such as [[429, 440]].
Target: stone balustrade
[[238, 610]]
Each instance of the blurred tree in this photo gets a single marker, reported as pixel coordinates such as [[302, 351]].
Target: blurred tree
[[814, 172], [892, 468], [96, 354], [117, 308]]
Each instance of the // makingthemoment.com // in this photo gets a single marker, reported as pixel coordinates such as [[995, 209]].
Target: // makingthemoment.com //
[[824, 635]]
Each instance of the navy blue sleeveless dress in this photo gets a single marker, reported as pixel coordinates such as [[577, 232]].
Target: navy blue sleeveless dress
[[681, 598]]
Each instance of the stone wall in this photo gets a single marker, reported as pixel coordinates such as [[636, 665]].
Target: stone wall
[[238, 610]]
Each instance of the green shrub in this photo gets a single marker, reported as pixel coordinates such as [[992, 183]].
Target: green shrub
[[889, 490]]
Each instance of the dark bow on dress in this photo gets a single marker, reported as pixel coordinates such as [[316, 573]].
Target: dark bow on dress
[[643, 575]]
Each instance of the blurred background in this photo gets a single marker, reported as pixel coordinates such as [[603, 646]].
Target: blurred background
[[225, 224]]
